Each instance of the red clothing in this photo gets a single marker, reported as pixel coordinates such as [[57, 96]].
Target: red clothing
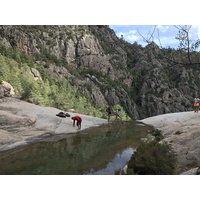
[[78, 118]]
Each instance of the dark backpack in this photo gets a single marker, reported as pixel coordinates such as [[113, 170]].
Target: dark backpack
[[67, 115], [62, 114]]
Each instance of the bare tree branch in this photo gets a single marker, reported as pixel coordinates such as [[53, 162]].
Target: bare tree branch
[[183, 37], [149, 38], [185, 45]]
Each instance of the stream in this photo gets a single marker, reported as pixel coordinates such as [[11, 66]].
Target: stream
[[96, 151]]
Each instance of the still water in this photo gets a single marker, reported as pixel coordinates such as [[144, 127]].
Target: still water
[[100, 150]]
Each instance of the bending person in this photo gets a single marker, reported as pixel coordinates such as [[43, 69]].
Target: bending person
[[78, 123]]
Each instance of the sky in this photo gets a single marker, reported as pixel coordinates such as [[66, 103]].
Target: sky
[[164, 35]]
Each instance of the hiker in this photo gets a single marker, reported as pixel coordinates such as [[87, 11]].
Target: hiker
[[196, 104], [109, 112], [78, 123], [118, 114]]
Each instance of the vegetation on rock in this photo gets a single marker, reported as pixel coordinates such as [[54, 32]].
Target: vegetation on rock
[[153, 158], [92, 66]]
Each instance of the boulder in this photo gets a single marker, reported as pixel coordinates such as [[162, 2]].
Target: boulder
[[6, 89]]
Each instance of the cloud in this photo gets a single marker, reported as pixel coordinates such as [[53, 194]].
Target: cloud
[[130, 36], [162, 28], [167, 41], [196, 29], [163, 35]]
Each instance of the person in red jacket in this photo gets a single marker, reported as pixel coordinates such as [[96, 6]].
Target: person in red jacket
[[78, 123]]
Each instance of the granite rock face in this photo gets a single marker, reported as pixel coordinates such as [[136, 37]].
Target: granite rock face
[[22, 123], [181, 130], [107, 69], [6, 89]]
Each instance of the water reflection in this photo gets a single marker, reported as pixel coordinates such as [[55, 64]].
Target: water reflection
[[99, 150], [117, 163]]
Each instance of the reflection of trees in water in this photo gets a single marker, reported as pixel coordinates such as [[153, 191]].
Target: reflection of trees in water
[[76, 140], [91, 148]]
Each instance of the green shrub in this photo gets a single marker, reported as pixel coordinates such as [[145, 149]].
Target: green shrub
[[157, 134], [153, 158]]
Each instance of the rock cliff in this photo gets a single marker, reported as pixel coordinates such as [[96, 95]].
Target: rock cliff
[[107, 69]]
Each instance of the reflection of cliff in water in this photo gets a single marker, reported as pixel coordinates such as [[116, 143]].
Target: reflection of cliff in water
[[90, 149]]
